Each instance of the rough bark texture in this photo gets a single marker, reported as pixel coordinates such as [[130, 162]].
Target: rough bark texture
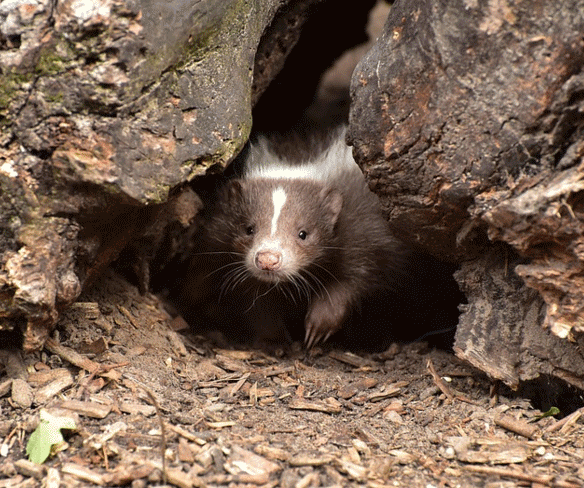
[[106, 107], [500, 328], [467, 120]]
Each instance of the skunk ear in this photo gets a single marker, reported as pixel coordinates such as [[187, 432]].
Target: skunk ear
[[332, 202]]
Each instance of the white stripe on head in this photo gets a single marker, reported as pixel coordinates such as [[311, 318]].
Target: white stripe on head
[[278, 199]]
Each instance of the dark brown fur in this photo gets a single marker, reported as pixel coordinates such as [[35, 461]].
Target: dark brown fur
[[347, 254]]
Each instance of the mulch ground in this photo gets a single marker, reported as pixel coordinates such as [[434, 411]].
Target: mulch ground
[[154, 405]]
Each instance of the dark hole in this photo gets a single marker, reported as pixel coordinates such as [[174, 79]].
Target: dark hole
[[13, 41], [546, 392], [329, 31], [424, 309], [11, 339]]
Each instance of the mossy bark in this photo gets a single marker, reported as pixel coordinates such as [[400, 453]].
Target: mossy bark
[[106, 109]]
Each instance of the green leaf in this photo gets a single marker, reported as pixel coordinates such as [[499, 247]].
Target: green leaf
[[550, 413], [46, 435]]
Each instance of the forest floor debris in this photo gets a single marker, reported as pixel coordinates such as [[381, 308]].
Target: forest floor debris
[[155, 407]]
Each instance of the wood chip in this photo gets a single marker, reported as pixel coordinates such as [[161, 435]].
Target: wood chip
[[136, 351], [337, 478], [272, 452], [260, 392], [177, 344], [22, 394], [94, 385], [220, 382], [311, 479], [276, 371], [489, 450], [393, 417], [14, 482], [351, 390], [544, 480], [402, 457], [98, 441], [387, 391], [186, 434], [209, 455], [96, 347], [241, 461], [126, 313], [350, 358], [368, 437], [90, 310], [518, 426], [440, 383], [123, 475], [177, 477], [235, 354], [233, 391], [229, 364], [361, 447], [355, 471], [88, 409], [52, 479], [238, 480], [354, 455], [308, 460], [71, 356], [184, 452], [138, 409], [330, 405], [28, 468], [83, 473], [220, 425], [62, 381], [112, 374], [41, 378]]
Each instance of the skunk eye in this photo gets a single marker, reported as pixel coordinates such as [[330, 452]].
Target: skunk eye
[[302, 234], [250, 230]]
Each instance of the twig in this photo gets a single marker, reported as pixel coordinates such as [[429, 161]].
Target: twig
[[517, 426], [126, 313], [439, 382], [76, 359], [71, 356], [162, 431], [239, 384], [186, 434], [103, 368], [573, 417], [152, 398], [444, 388], [509, 473]]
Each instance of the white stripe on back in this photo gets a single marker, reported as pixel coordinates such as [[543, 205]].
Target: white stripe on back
[[278, 199], [327, 166]]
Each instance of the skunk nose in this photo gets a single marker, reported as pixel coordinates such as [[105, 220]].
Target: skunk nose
[[268, 260]]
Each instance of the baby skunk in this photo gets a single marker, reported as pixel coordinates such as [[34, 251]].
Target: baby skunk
[[290, 242]]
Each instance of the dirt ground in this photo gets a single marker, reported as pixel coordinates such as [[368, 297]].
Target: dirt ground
[[137, 388]]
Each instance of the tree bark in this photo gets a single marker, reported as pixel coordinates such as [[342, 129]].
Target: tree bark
[[467, 119]]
